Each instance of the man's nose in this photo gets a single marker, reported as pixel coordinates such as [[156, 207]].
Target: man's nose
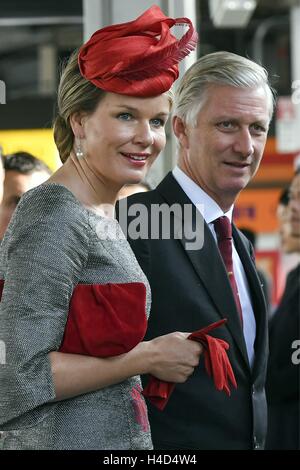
[[144, 134], [243, 144]]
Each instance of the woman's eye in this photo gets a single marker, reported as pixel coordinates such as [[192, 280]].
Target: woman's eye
[[157, 122], [125, 116]]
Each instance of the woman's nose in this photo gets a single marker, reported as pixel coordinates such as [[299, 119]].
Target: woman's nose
[[144, 134]]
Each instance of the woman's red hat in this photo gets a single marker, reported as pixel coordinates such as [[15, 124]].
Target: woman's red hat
[[138, 58]]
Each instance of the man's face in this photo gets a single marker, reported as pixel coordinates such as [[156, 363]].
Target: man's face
[[294, 206], [223, 152], [15, 185]]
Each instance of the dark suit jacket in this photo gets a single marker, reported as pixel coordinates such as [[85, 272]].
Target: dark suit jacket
[[190, 289], [283, 379]]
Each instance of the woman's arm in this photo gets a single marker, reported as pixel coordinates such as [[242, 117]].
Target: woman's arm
[[44, 255], [171, 357]]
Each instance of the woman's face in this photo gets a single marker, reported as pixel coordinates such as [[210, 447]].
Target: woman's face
[[123, 136]]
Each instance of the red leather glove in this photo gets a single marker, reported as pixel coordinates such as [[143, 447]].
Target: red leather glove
[[216, 363]]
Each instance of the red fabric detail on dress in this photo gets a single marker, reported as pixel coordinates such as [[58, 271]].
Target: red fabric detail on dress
[[1, 288], [105, 319], [139, 408], [216, 363]]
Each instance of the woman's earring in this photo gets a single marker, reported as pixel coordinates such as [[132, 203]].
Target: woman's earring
[[78, 152]]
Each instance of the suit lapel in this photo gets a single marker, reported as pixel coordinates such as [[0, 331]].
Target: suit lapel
[[208, 264], [257, 296]]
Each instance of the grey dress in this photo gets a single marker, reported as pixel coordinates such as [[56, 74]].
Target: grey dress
[[52, 247]]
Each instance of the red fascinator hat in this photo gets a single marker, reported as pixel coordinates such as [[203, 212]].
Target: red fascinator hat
[[139, 58]]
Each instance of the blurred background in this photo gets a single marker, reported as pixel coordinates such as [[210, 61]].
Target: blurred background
[[35, 37]]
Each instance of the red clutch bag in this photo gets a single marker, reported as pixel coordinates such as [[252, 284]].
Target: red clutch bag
[[105, 319]]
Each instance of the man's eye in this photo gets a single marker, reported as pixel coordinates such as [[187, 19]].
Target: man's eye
[[225, 125], [157, 122], [258, 128], [125, 116]]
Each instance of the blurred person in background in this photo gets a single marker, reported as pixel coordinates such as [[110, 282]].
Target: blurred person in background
[[283, 378], [130, 189], [289, 239], [1, 175], [294, 206], [23, 171]]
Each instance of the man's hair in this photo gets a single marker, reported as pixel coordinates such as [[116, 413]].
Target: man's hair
[[218, 68], [284, 197], [24, 163]]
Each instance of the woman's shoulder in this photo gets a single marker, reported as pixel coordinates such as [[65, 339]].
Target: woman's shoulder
[[50, 201]]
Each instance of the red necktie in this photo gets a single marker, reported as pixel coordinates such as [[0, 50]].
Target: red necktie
[[224, 235]]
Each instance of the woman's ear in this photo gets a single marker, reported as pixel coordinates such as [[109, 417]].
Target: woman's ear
[[77, 124], [180, 131]]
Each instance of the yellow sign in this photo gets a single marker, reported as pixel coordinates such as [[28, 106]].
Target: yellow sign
[[38, 142]]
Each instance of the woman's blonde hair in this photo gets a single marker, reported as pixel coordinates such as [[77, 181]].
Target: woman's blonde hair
[[75, 94]]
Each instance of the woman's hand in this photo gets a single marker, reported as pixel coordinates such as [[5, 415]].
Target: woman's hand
[[173, 357], [170, 357]]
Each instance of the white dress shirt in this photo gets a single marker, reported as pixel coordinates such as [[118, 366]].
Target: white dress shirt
[[210, 212]]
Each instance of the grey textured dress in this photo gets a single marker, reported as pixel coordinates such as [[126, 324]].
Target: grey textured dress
[[53, 247]]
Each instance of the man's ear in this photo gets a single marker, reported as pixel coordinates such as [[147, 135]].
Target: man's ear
[[180, 130], [77, 124]]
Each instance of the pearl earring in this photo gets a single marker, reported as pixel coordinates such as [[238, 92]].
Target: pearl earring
[[78, 152]]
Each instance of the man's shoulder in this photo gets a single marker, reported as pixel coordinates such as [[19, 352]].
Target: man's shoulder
[[244, 239], [149, 197], [168, 192], [246, 243], [154, 196]]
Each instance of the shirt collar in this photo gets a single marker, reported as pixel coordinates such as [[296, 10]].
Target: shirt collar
[[209, 209]]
